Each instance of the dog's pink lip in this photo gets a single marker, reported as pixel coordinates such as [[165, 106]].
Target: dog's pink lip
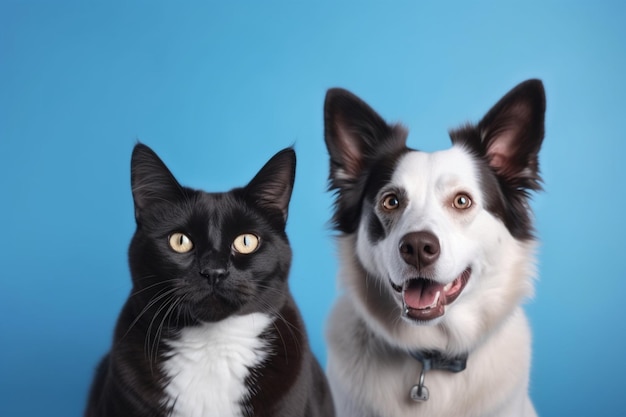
[[424, 299], [458, 285]]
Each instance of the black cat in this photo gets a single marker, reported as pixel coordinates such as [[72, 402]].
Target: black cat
[[210, 327]]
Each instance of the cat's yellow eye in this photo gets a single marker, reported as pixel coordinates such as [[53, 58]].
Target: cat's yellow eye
[[462, 201], [180, 242], [246, 243]]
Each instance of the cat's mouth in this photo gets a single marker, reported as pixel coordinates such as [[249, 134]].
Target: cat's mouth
[[424, 299], [210, 303]]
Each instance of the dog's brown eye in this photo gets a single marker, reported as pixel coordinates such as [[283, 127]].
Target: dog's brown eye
[[462, 201], [391, 202], [180, 242]]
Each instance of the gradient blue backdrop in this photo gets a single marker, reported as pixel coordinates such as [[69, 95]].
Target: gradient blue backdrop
[[216, 88]]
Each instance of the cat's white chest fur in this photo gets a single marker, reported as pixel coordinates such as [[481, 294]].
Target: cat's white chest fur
[[209, 365]]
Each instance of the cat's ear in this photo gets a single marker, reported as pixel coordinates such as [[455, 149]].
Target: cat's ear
[[271, 187], [150, 179]]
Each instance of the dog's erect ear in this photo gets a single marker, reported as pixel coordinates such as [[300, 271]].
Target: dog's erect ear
[[512, 133], [513, 130], [355, 135], [272, 186]]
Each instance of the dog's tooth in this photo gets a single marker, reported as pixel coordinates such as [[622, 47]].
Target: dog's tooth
[[447, 287], [405, 308], [436, 301]]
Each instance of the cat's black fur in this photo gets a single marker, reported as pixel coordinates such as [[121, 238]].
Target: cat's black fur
[[172, 291]]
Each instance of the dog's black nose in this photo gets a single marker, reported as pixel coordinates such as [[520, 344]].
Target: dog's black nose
[[419, 249]]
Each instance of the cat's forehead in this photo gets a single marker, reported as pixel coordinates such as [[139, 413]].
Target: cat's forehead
[[202, 213], [220, 207], [197, 205], [217, 201]]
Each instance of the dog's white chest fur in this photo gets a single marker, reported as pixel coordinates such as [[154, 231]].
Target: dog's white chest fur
[[210, 363]]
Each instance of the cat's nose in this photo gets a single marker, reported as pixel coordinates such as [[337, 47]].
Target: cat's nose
[[214, 275]]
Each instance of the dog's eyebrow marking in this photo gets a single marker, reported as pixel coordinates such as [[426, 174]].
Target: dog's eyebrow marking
[[448, 181], [450, 184]]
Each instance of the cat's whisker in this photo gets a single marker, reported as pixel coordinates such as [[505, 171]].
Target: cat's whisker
[[148, 348], [155, 299], [156, 284], [290, 326], [174, 302], [282, 339], [180, 312], [145, 277]]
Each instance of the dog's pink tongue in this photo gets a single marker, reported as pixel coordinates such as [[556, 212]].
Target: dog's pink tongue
[[421, 294]]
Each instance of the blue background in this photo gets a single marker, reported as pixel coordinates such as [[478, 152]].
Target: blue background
[[216, 88]]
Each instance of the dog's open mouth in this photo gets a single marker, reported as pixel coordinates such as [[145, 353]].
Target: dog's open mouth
[[424, 299]]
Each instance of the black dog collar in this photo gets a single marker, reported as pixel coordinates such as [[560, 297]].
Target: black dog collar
[[434, 360]]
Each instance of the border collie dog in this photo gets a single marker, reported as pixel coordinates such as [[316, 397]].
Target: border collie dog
[[437, 254]]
